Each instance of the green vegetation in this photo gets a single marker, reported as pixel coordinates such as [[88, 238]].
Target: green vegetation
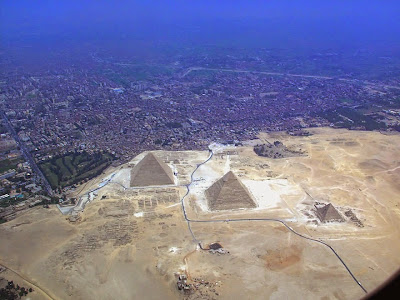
[[2, 129], [174, 125], [11, 201], [8, 164], [206, 77], [350, 118], [31, 95], [346, 100], [74, 167], [125, 74], [12, 291]]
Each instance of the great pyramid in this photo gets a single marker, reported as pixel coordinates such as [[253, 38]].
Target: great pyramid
[[228, 193], [151, 171], [328, 213]]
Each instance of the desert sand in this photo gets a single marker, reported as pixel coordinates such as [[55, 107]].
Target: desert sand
[[131, 241]]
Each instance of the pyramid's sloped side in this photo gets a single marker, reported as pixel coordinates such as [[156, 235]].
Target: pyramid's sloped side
[[151, 171], [228, 193], [329, 213], [213, 191]]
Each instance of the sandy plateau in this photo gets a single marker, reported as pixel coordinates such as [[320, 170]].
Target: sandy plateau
[[131, 241]]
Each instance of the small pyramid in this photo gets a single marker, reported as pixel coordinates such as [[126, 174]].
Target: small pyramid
[[228, 193], [328, 213], [151, 171]]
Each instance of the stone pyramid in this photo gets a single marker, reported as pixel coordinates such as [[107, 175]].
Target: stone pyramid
[[228, 193], [151, 171], [328, 213]]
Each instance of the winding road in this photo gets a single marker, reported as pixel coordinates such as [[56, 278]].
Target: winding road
[[189, 220]]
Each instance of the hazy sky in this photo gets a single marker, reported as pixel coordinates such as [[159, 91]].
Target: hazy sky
[[25, 13], [347, 19]]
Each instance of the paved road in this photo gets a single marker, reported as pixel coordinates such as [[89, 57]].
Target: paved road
[[188, 220], [26, 153], [80, 206], [375, 84], [255, 72]]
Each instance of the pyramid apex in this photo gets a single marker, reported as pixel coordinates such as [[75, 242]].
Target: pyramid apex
[[329, 213], [228, 192], [149, 155], [228, 176], [151, 171]]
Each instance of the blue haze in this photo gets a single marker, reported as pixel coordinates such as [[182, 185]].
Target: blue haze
[[117, 25]]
